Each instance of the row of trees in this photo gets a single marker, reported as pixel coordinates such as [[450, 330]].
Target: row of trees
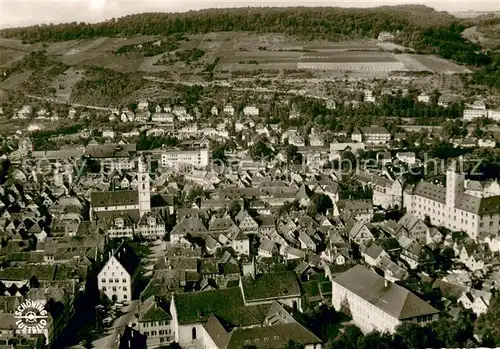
[[328, 23]]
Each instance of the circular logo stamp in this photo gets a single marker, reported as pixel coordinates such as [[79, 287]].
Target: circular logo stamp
[[31, 317]]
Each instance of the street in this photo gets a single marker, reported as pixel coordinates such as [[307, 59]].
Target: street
[[127, 317]]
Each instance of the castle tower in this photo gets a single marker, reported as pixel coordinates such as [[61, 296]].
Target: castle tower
[[455, 185], [143, 187]]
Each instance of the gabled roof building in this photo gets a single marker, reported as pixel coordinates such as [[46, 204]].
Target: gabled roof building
[[376, 304]]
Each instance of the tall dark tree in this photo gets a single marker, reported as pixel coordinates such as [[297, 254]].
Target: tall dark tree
[[348, 339], [488, 324], [219, 156], [293, 345], [375, 340]]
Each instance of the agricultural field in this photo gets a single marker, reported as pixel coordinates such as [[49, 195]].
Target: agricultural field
[[410, 63], [439, 65], [196, 57], [344, 47], [349, 56]]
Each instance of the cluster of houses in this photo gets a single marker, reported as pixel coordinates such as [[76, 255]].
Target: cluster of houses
[[241, 258], [239, 253]]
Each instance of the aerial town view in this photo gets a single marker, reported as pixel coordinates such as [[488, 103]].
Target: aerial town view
[[249, 178]]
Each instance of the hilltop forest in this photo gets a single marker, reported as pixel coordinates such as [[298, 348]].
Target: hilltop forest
[[324, 22], [419, 27]]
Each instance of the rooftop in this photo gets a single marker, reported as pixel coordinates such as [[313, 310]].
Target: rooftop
[[392, 299], [114, 198], [227, 304], [271, 285]]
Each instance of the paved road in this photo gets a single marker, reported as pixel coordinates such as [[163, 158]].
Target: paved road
[[127, 317]]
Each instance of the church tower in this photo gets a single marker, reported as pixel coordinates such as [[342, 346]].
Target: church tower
[[455, 185], [143, 187]]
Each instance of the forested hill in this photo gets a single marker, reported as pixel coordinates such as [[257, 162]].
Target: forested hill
[[324, 22]]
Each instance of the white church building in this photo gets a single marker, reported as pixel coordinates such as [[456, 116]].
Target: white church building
[[453, 206]]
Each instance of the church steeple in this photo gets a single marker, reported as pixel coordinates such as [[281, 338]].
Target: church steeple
[[143, 187]]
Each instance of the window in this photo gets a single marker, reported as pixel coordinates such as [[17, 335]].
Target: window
[[124, 296], [110, 281], [193, 333], [103, 281], [117, 281], [124, 288], [114, 288], [104, 288], [124, 280]]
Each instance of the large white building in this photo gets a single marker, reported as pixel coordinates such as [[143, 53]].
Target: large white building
[[251, 110], [177, 157], [493, 114], [371, 135], [479, 110], [376, 304], [453, 207], [117, 277], [112, 156]]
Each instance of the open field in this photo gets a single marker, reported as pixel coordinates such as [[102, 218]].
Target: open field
[[487, 37], [411, 63], [64, 83], [343, 47], [350, 56], [15, 80], [439, 65], [8, 56], [473, 14]]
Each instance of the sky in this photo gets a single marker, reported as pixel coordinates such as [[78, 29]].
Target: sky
[[28, 12]]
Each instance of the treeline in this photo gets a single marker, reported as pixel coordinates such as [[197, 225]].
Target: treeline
[[386, 105], [444, 333], [448, 43], [319, 22], [148, 143]]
